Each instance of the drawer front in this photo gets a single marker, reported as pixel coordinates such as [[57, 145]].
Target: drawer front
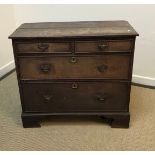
[[48, 47], [103, 46], [81, 67], [75, 97]]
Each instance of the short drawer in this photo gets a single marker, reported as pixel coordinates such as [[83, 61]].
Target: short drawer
[[77, 67], [103, 46], [44, 47], [75, 96]]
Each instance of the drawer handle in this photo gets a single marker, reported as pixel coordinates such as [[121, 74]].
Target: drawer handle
[[74, 86], [73, 60], [47, 97], [45, 68], [102, 46], [102, 68], [43, 47], [101, 97]]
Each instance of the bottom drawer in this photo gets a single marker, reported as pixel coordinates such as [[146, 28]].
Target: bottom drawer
[[76, 96]]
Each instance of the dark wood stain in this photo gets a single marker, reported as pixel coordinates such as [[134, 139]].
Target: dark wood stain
[[74, 68], [75, 97], [102, 46], [74, 29], [45, 47], [85, 67]]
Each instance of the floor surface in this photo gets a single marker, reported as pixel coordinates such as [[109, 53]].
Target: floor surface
[[76, 133]]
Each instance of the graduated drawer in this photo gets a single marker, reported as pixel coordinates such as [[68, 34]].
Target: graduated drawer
[[44, 47], [77, 67], [103, 46], [75, 96]]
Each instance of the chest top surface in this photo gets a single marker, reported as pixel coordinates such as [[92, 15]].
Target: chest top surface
[[74, 29]]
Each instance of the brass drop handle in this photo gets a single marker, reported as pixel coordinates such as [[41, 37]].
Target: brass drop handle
[[74, 86], [45, 67], [101, 97], [73, 60], [47, 97], [102, 46], [43, 47], [102, 68]]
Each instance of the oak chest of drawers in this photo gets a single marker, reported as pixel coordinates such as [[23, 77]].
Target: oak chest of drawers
[[74, 68]]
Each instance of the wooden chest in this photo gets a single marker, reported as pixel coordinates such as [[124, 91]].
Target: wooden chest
[[74, 68]]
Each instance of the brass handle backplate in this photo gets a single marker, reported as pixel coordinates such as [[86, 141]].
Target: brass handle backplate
[[102, 46], [43, 46], [45, 67], [101, 97], [47, 97], [102, 68]]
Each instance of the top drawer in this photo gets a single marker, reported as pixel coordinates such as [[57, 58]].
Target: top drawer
[[103, 46], [44, 47]]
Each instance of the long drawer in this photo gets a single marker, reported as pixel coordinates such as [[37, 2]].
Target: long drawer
[[75, 96], [77, 67]]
